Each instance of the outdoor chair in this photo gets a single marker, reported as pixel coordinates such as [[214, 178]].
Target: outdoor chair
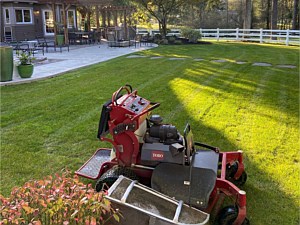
[[19, 47], [136, 40], [111, 40], [72, 38], [146, 40], [90, 38], [44, 43]]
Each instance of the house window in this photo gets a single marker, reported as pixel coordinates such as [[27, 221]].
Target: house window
[[48, 22], [71, 19], [7, 16], [23, 16], [71, 23]]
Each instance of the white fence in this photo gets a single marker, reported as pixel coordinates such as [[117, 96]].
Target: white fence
[[288, 37]]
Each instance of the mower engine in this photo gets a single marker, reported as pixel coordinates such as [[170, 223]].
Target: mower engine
[[156, 154]]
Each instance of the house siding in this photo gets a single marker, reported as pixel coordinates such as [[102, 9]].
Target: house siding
[[25, 31]]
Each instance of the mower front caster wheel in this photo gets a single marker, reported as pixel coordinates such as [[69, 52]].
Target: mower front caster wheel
[[230, 173], [227, 216], [110, 176]]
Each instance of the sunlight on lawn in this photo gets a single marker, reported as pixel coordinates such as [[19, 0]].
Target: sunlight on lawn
[[245, 121]]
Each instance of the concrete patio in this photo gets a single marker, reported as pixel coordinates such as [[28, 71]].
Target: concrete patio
[[56, 63]]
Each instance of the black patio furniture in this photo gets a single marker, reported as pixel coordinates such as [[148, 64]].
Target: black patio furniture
[[42, 42], [113, 42]]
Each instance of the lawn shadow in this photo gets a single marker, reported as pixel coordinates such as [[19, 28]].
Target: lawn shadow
[[265, 195], [262, 199]]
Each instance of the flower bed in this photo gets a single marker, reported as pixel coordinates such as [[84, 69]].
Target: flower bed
[[61, 199]]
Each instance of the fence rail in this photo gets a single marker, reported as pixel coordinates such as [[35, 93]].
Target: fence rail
[[288, 37]]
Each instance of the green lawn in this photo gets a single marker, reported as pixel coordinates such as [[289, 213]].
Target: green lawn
[[52, 124]]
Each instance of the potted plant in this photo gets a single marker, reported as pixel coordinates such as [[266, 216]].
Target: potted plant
[[25, 67]]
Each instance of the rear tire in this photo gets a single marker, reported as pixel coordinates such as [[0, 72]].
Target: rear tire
[[110, 176]]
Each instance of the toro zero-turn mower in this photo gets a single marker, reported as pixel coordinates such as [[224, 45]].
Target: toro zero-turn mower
[[155, 175]]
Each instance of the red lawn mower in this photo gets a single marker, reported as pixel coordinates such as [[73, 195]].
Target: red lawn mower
[[170, 164]]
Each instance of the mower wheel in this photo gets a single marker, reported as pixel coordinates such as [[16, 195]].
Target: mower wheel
[[242, 180], [228, 215], [110, 176], [231, 171]]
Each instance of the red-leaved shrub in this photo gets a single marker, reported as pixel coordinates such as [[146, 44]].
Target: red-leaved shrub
[[58, 200]]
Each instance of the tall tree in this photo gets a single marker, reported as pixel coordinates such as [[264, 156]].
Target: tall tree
[[248, 14], [161, 10], [295, 22], [274, 15], [269, 3]]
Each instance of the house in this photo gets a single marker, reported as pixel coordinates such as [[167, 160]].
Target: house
[[26, 19]]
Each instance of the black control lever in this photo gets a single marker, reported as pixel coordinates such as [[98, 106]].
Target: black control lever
[[215, 149]]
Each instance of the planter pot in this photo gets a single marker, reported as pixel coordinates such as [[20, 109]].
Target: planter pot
[[60, 39], [25, 71], [7, 63]]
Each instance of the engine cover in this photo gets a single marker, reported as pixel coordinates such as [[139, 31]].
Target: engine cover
[[155, 153], [193, 184]]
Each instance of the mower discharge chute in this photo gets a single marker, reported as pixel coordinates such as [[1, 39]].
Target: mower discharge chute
[[171, 164]]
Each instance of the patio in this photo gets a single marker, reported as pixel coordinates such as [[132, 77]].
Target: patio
[[56, 63]]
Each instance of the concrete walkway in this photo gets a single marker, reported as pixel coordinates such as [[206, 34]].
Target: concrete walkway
[[56, 63]]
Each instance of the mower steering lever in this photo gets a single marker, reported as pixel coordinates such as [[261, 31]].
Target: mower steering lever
[[116, 94]]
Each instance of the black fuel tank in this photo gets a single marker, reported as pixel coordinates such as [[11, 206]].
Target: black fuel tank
[[193, 184]]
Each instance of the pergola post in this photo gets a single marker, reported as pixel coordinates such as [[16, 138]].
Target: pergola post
[[115, 18], [54, 20], [108, 17], [97, 18], [65, 25], [125, 25], [103, 13]]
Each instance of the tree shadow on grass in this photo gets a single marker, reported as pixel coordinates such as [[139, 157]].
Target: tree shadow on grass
[[267, 202], [264, 195]]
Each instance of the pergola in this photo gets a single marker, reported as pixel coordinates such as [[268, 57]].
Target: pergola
[[103, 7]]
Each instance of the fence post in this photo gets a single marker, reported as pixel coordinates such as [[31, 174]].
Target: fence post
[[287, 37], [260, 35], [200, 30], [218, 34], [237, 33]]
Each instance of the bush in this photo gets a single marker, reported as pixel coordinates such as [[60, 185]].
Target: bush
[[59, 200], [191, 34]]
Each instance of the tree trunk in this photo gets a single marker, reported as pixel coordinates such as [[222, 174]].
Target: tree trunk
[[103, 13], [164, 27], [268, 14], [274, 15], [116, 18], [89, 21], [295, 22], [247, 18], [97, 19]]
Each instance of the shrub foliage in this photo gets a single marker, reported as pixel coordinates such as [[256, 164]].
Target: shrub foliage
[[60, 199], [191, 34]]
